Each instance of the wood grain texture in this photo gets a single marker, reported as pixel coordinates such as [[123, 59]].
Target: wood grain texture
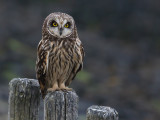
[[101, 113], [24, 99], [61, 105]]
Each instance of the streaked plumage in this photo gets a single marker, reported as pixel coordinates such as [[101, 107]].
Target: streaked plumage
[[59, 54]]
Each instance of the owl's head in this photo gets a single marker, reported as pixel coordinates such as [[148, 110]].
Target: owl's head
[[59, 25]]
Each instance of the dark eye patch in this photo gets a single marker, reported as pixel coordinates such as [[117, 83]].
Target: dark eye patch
[[53, 23], [68, 25]]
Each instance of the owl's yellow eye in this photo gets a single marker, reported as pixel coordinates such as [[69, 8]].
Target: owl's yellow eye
[[67, 25], [54, 24]]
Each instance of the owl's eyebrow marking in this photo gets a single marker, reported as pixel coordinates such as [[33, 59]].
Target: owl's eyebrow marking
[[61, 20], [64, 22]]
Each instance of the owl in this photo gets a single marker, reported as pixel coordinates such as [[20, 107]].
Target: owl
[[59, 53]]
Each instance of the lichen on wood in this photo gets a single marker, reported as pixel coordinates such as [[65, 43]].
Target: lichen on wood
[[101, 113]]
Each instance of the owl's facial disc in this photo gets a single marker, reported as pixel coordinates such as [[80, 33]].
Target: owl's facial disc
[[60, 27]]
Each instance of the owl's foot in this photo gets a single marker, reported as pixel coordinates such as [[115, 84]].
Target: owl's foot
[[64, 88], [54, 88], [68, 89]]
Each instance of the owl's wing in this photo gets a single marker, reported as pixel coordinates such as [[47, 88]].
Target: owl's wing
[[41, 65], [77, 66], [82, 51], [82, 54]]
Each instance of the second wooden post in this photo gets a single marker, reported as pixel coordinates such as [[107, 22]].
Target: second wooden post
[[61, 105]]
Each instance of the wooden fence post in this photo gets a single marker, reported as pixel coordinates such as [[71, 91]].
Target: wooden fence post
[[61, 105], [24, 99], [101, 113]]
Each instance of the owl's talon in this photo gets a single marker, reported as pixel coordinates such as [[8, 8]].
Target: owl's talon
[[52, 89], [66, 89], [69, 89]]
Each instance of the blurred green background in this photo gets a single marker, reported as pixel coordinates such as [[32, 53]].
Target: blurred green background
[[122, 43]]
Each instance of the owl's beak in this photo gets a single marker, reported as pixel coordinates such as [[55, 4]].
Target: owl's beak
[[60, 31]]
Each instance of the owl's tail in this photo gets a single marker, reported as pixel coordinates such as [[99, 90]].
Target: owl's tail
[[43, 90]]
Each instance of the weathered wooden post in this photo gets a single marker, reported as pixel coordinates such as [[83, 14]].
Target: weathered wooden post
[[24, 99], [61, 105], [101, 113]]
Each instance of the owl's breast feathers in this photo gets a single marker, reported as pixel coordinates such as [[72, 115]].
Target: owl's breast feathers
[[61, 57]]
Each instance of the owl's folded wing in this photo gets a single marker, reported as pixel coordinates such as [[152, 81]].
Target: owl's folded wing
[[41, 66], [78, 66], [82, 56]]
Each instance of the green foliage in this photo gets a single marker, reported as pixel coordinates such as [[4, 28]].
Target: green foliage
[[84, 76], [9, 74], [30, 63], [15, 45], [21, 48], [156, 104]]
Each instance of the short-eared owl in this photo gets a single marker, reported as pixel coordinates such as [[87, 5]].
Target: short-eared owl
[[59, 53]]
